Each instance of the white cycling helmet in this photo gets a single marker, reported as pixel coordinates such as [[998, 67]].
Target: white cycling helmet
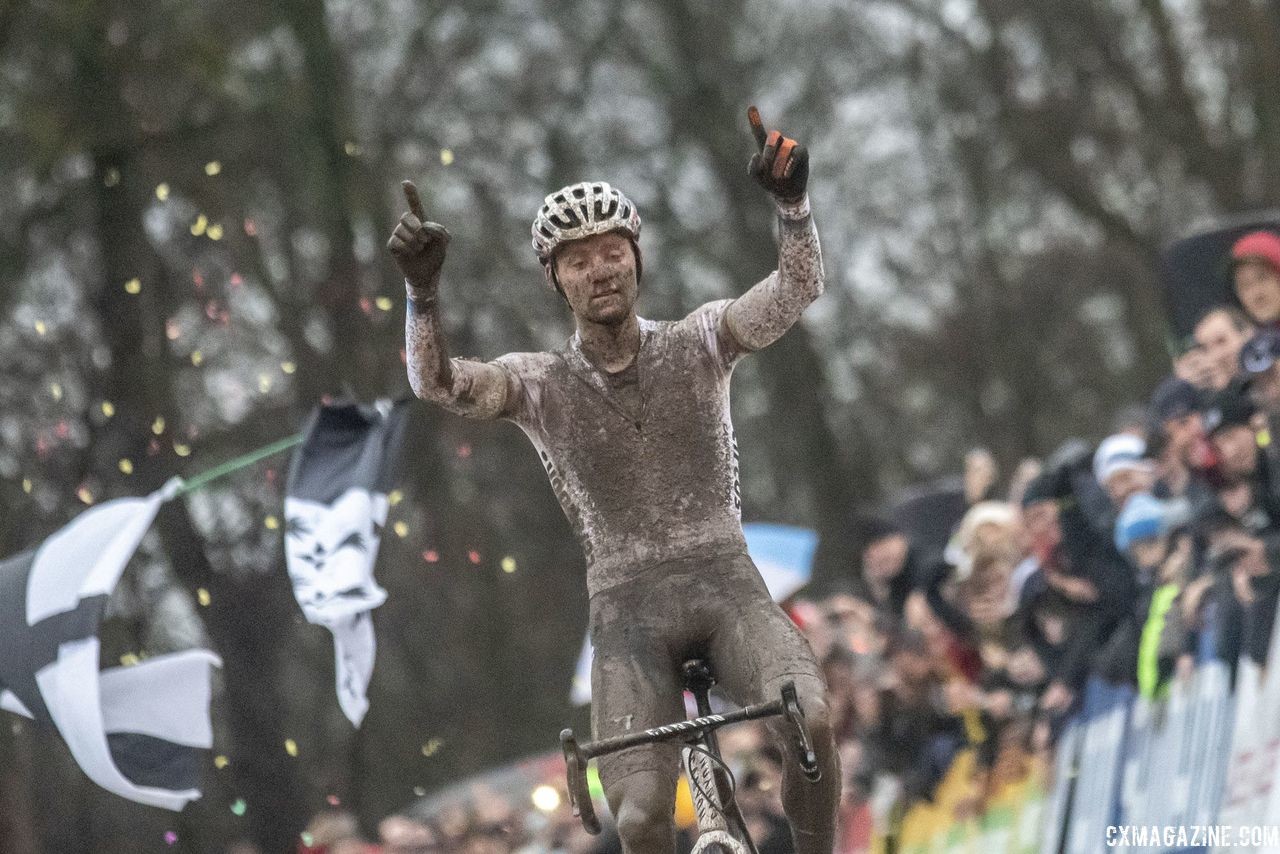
[[581, 210]]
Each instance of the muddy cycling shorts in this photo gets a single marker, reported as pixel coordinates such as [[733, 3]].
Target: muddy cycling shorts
[[645, 628]]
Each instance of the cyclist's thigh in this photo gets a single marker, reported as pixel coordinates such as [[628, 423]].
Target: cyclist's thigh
[[634, 684], [755, 647]]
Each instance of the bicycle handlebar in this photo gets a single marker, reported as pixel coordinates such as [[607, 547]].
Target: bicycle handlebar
[[576, 756], [579, 793]]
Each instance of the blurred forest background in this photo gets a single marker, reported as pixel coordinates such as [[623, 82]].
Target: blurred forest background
[[194, 200]]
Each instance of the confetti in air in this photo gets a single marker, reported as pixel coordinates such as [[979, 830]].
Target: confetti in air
[[508, 564], [126, 465], [202, 596], [291, 747], [401, 529], [133, 286], [446, 156], [288, 367], [201, 223], [271, 523], [239, 806], [213, 167], [383, 303], [157, 426], [41, 329], [221, 762], [108, 408], [162, 191], [170, 837]]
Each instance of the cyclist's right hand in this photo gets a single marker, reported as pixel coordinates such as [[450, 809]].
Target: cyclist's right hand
[[417, 245]]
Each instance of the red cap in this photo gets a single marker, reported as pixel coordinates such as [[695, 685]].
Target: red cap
[[1258, 246]]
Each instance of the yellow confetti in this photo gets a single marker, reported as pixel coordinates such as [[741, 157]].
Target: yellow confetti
[[431, 747], [133, 286], [291, 747], [125, 465], [221, 762], [352, 149], [201, 223], [288, 367], [84, 495], [202, 596], [401, 529], [181, 450], [394, 497], [162, 191], [213, 167], [264, 383], [41, 329], [508, 564], [111, 178], [215, 232], [129, 659], [383, 303], [197, 358], [446, 156], [271, 522], [27, 485], [108, 408], [157, 426], [55, 389]]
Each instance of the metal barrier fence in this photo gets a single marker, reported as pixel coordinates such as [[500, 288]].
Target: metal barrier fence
[[1196, 771]]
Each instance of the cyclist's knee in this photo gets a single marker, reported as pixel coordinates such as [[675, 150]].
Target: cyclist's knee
[[644, 814]]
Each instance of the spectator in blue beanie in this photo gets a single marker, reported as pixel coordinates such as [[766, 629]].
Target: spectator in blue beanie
[[1153, 535]]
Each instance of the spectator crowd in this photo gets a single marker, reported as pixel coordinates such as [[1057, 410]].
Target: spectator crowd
[[970, 618]]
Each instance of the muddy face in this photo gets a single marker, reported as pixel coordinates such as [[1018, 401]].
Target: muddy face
[[597, 275]]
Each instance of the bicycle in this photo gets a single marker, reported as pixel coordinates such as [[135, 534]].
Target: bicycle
[[721, 826]]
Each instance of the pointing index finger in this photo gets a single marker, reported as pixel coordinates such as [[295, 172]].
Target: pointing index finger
[[414, 200], [757, 126]]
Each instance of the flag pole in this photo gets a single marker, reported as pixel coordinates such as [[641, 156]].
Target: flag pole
[[244, 461]]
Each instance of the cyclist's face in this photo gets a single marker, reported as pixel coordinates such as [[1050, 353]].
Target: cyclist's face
[[598, 277]]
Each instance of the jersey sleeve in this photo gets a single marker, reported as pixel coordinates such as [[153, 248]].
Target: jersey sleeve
[[523, 390], [707, 323]]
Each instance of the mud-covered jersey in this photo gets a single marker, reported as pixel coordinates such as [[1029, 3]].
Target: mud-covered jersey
[[645, 471]]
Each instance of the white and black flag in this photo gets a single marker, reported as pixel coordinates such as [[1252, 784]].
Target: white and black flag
[[335, 508], [138, 731]]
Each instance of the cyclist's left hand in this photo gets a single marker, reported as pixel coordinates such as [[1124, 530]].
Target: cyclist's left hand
[[781, 165]]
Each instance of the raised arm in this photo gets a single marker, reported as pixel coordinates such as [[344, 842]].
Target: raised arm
[[761, 315], [465, 387]]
